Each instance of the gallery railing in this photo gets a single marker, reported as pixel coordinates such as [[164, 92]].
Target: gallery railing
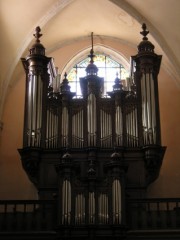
[[41, 215], [27, 215], [157, 213]]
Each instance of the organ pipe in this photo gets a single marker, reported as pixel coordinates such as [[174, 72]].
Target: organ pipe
[[65, 125], [148, 109], [34, 112], [119, 126], [80, 209], [91, 208], [91, 117], [106, 128], [103, 209], [77, 129], [116, 201], [131, 127], [66, 202], [52, 128]]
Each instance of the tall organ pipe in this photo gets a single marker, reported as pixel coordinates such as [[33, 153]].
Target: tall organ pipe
[[148, 109], [80, 209], [103, 208], [77, 129], [51, 128], [34, 112], [66, 202], [91, 117], [91, 207], [119, 126], [106, 128], [116, 201], [65, 124]]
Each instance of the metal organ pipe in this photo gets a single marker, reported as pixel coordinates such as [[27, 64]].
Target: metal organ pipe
[[131, 126], [34, 119], [103, 208], [52, 128], [153, 117], [119, 126], [77, 129], [65, 123], [106, 128], [47, 129], [91, 112], [116, 201], [66, 202], [91, 208], [29, 112], [34, 110], [80, 209], [148, 109], [39, 110]]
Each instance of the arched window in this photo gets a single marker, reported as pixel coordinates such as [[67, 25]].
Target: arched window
[[108, 69]]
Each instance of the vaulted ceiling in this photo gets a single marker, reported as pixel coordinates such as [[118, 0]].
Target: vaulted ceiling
[[65, 21]]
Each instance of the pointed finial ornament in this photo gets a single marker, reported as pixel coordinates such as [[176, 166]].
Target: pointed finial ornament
[[145, 45], [118, 84], [65, 75], [144, 32], [37, 34], [91, 68], [37, 48], [92, 50], [65, 85], [92, 40]]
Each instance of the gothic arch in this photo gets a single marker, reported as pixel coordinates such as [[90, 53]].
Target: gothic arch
[[117, 56]]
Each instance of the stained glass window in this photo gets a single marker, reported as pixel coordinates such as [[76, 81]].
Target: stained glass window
[[108, 69]]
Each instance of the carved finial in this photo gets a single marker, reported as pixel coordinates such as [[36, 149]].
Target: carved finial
[[118, 85], [65, 88], [144, 32], [37, 34]]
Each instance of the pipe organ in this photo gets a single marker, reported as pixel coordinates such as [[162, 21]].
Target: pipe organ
[[92, 152]]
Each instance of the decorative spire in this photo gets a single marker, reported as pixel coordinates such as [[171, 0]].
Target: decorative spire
[[92, 51], [145, 46], [65, 84], [91, 68], [37, 48], [144, 32], [37, 34], [118, 85]]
